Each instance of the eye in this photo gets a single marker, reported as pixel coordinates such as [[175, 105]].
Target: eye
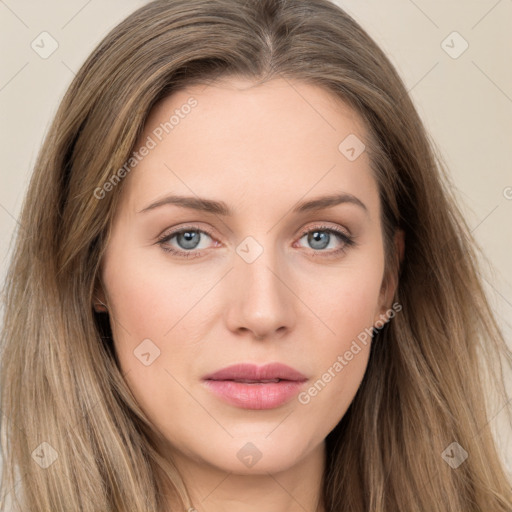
[[327, 239], [186, 242]]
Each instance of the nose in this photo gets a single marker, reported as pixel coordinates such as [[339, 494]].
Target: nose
[[260, 299]]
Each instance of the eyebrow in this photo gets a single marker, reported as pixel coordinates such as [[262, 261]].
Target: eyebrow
[[221, 208]]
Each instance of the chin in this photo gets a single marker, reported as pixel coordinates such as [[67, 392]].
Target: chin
[[257, 454]]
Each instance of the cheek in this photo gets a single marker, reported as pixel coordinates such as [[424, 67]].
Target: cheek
[[347, 307], [341, 368], [330, 394], [154, 324], [346, 298], [148, 299]]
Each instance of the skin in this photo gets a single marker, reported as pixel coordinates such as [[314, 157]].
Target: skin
[[261, 149]]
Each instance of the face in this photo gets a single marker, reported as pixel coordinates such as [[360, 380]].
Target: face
[[273, 263]]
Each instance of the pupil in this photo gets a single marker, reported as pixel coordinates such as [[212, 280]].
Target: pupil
[[315, 238], [189, 242]]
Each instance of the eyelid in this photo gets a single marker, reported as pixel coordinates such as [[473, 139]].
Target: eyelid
[[168, 233], [324, 227]]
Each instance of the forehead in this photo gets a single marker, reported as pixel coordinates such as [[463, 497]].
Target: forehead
[[290, 107], [236, 139]]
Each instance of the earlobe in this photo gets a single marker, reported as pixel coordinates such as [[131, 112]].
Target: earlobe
[[99, 306], [99, 299]]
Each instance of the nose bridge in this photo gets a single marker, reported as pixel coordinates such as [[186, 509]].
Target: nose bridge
[[261, 301]]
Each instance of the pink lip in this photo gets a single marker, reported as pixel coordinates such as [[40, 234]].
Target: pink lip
[[231, 385]]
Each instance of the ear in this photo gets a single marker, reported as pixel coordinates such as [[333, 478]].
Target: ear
[[99, 298], [390, 281]]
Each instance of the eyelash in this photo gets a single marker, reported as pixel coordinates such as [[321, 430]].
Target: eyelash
[[347, 240]]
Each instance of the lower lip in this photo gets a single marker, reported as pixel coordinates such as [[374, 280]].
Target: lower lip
[[256, 396]]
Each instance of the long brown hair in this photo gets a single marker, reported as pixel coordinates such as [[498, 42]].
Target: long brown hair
[[73, 436]]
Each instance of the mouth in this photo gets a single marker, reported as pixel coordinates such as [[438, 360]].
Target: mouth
[[248, 386], [248, 381]]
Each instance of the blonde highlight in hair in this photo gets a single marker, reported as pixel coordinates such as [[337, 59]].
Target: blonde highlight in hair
[[429, 369]]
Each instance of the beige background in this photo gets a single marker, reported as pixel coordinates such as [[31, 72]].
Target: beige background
[[466, 102]]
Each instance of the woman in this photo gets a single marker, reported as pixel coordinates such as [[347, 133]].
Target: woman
[[242, 283]]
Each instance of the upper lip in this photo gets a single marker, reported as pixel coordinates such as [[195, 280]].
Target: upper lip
[[252, 372]]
